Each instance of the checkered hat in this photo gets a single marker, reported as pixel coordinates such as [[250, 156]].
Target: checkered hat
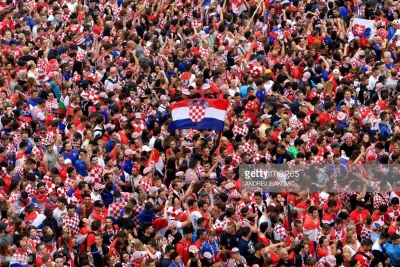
[[172, 224], [76, 78], [229, 186], [174, 214], [98, 186], [193, 249], [91, 77], [208, 255], [236, 195], [137, 256]]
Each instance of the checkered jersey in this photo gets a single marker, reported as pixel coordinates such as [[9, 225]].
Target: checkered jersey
[[317, 160], [366, 232], [76, 144], [249, 149], [91, 95], [236, 160], [220, 225], [72, 223], [34, 241], [136, 211], [31, 190], [280, 233], [240, 130], [147, 183], [38, 152], [96, 173], [14, 197], [357, 62], [190, 176], [49, 138], [296, 124], [380, 199], [49, 105], [115, 209], [257, 157], [20, 256]]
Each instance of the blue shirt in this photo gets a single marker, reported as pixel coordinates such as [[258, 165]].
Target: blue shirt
[[34, 102], [181, 66], [393, 252], [80, 167], [108, 197], [126, 166], [73, 156], [170, 73], [29, 147], [243, 91], [145, 216], [55, 89], [384, 130]]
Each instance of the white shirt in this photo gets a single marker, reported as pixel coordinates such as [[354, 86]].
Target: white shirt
[[372, 82]]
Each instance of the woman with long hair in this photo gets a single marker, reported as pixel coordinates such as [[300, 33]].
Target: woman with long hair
[[193, 255], [352, 244], [170, 171], [109, 231]]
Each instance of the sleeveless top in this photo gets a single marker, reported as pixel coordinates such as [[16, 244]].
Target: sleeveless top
[[52, 158]]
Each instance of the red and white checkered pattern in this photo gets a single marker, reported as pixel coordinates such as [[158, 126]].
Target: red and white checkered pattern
[[14, 197], [190, 176], [240, 130], [366, 232], [317, 160], [72, 222], [380, 199], [136, 211], [115, 209], [174, 213], [296, 124], [49, 138], [147, 183], [96, 173], [20, 256], [249, 149], [80, 55], [38, 152], [31, 190], [197, 112], [280, 233], [91, 95], [257, 157], [236, 160]]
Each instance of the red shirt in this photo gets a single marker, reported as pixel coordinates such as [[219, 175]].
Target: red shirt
[[358, 217], [323, 118], [183, 249]]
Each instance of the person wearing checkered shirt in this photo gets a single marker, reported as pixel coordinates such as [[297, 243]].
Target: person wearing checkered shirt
[[71, 221]]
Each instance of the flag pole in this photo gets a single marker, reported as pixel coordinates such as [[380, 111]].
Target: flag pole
[[255, 11]]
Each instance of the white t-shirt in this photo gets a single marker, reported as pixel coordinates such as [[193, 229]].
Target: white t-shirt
[[59, 215]]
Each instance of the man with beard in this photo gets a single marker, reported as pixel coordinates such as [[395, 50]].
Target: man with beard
[[70, 153], [5, 235]]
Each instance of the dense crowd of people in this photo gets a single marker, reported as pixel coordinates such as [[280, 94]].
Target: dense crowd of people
[[91, 175]]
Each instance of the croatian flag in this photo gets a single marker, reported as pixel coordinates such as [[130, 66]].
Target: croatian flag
[[199, 114], [363, 28], [155, 161], [310, 228]]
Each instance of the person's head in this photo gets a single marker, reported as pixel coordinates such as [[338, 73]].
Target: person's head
[[175, 258], [259, 248]]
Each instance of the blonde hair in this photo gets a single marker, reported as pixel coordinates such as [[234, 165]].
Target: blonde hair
[[328, 86]]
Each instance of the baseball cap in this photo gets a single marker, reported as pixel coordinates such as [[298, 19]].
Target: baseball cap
[[36, 139]]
